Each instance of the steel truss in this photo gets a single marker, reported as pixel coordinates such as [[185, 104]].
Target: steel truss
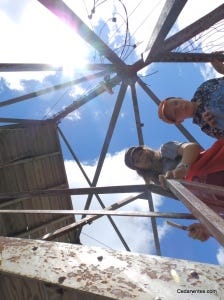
[[125, 76]]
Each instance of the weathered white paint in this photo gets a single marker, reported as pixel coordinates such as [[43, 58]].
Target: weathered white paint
[[114, 274]]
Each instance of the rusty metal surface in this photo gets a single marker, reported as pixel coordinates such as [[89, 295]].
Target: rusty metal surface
[[108, 273]]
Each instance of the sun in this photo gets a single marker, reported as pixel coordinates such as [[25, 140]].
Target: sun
[[51, 41], [67, 49]]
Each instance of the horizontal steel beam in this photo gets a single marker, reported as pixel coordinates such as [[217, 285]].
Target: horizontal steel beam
[[98, 213], [90, 190], [51, 89], [186, 57], [90, 219], [35, 67], [21, 121]]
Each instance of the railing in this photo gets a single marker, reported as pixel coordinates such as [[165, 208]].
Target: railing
[[199, 198]]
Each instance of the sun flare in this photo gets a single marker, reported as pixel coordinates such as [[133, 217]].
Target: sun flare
[[53, 42], [67, 50]]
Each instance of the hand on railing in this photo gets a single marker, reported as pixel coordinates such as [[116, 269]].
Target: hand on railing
[[199, 232]]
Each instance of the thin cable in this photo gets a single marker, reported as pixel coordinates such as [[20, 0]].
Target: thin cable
[[127, 42], [88, 14], [147, 75], [127, 28], [96, 240], [127, 38], [53, 106], [134, 46], [209, 40], [124, 20], [100, 3], [146, 17]]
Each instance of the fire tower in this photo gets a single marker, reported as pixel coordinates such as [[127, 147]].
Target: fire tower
[[42, 255]]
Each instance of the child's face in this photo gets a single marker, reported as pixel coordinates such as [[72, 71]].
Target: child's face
[[178, 109]]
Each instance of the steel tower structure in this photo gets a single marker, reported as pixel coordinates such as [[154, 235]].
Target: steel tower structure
[[161, 47]]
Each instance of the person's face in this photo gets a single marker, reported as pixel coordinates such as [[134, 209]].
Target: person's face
[[142, 158], [178, 109]]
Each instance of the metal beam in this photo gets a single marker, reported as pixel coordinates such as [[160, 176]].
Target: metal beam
[[86, 272], [138, 188], [167, 18], [211, 220], [122, 213], [141, 142], [137, 115], [181, 37], [90, 219], [154, 224], [51, 89], [195, 28], [91, 94], [116, 205], [106, 143], [65, 14], [108, 138], [96, 195], [186, 57], [35, 67], [28, 67], [148, 91], [21, 121]]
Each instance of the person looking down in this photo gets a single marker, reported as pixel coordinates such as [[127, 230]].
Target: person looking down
[[206, 108], [188, 161]]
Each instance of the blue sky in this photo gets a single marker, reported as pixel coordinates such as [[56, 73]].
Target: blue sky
[[27, 39]]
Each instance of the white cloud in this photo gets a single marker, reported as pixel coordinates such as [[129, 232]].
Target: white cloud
[[76, 91], [208, 72], [136, 231], [74, 116], [47, 41], [36, 36], [220, 256], [163, 230]]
